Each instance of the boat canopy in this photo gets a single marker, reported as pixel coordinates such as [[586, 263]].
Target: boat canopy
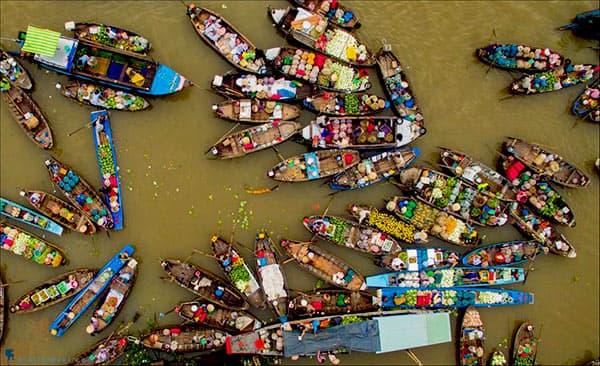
[[411, 331], [63, 55], [41, 41]]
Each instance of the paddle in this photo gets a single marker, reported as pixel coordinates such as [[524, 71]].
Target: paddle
[[281, 158], [222, 138], [87, 125], [11, 283], [204, 254], [413, 357]]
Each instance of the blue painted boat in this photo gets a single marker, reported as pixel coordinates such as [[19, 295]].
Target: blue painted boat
[[456, 297], [586, 24], [107, 163], [508, 253], [23, 214], [418, 259], [449, 277], [90, 293], [586, 105], [99, 63]]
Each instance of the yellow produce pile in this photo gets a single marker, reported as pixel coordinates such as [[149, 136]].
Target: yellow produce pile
[[390, 225]]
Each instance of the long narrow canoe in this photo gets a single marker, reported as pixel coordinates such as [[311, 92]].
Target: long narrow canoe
[[105, 352], [324, 265], [524, 345], [53, 291], [585, 24], [62, 211], [587, 104], [460, 297], [361, 132], [312, 30], [486, 179], [211, 316], [518, 57], [226, 40], [317, 69], [27, 114], [396, 86], [374, 169], [314, 165], [184, 339], [545, 162], [454, 196], [255, 110], [434, 221], [556, 79], [84, 299], [107, 163], [244, 85], [111, 36], [271, 275], [79, 192], [350, 234], [104, 97], [14, 71], [449, 277], [27, 216], [337, 14], [113, 299], [239, 273], [471, 351], [419, 259], [254, 139], [29, 246], [332, 302], [345, 104], [204, 284], [2, 306], [508, 253]]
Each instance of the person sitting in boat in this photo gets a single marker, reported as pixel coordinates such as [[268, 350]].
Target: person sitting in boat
[[135, 77]]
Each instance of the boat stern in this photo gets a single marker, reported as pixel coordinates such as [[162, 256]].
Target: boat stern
[[277, 15], [167, 81]]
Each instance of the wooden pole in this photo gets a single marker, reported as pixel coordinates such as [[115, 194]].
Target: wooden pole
[[223, 137], [88, 125]]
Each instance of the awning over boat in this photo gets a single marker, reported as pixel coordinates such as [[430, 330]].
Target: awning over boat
[[63, 55], [41, 41], [411, 331]]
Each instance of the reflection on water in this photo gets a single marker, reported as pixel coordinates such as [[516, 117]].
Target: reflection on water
[[174, 198]]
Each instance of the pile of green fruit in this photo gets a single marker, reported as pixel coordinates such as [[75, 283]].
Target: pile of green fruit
[[106, 159], [351, 104]]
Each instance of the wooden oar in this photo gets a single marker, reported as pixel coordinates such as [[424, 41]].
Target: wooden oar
[[281, 158], [88, 125], [223, 137], [11, 283], [205, 254], [413, 357]]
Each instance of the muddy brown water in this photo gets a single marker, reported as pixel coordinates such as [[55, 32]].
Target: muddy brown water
[[174, 198]]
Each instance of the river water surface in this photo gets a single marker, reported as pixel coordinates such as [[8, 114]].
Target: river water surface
[[174, 198]]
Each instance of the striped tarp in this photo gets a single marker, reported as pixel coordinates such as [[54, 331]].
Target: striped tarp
[[41, 41]]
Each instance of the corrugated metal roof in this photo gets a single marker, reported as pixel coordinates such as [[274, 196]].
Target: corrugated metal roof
[[41, 41], [411, 331]]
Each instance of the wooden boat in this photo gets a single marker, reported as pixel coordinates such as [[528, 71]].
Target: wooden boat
[[331, 302], [2, 305], [226, 40], [271, 275], [234, 266], [211, 316], [453, 196], [104, 97], [540, 195], [27, 114], [243, 85], [486, 179], [585, 24], [107, 164], [113, 299], [27, 216], [418, 259], [541, 230], [99, 63], [497, 359], [397, 87], [471, 338], [317, 69], [14, 71], [434, 221], [558, 78], [449, 277], [518, 57], [314, 165], [254, 139], [110, 36], [506, 253], [63, 212], [525, 345], [255, 110], [324, 265], [388, 224], [587, 104], [90, 293], [345, 104], [208, 286], [79, 192], [374, 169], [361, 132], [53, 291], [460, 297], [337, 14], [544, 162], [105, 352], [184, 339], [311, 29], [350, 234], [29, 246]]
